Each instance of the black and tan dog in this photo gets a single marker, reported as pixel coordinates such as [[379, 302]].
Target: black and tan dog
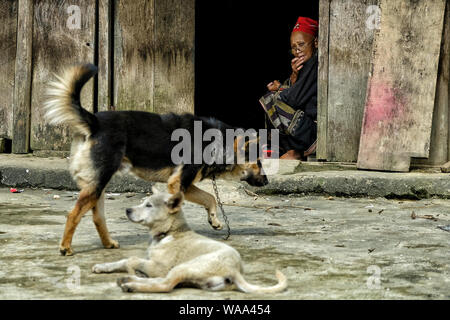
[[139, 142]]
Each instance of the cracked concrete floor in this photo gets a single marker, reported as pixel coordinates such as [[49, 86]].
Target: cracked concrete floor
[[329, 248]]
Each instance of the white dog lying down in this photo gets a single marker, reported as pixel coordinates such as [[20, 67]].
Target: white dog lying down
[[179, 256]]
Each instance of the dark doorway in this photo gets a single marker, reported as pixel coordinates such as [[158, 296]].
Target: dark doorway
[[241, 46]]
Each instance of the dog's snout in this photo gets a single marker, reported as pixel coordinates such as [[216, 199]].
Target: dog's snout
[[257, 181]]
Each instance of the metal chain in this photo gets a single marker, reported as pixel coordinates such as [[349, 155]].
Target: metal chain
[[225, 218]]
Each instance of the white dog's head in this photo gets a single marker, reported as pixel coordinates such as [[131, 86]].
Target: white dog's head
[[158, 212]]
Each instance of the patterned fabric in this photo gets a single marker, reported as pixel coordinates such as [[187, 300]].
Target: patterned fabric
[[281, 115], [293, 109]]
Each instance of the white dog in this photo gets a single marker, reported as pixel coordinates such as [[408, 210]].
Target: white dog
[[179, 256]]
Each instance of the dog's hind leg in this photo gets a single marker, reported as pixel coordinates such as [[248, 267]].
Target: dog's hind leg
[[100, 223], [87, 200], [137, 284], [207, 200]]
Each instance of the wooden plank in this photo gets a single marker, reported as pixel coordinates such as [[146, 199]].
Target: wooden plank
[[8, 44], [322, 85], [134, 32], [440, 128], [402, 87], [22, 80], [350, 48], [446, 76], [105, 51], [57, 45], [447, 26], [174, 56]]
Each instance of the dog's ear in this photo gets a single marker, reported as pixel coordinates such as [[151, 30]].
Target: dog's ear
[[154, 190], [174, 203]]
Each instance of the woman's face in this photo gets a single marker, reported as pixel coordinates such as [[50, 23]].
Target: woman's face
[[303, 44]]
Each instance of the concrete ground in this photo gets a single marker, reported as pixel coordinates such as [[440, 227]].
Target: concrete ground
[[328, 247]]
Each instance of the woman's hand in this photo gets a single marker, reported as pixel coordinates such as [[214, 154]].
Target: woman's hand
[[296, 65], [274, 86]]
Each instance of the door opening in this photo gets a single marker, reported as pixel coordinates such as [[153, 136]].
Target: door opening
[[241, 46]]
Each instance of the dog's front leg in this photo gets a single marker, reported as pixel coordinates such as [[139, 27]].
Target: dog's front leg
[[207, 200], [182, 180], [129, 265], [118, 266]]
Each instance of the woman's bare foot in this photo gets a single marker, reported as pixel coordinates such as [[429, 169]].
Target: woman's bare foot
[[292, 155]]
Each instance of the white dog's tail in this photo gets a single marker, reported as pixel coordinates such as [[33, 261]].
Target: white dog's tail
[[250, 288], [63, 100]]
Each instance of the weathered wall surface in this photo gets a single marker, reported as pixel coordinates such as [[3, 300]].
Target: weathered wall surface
[[402, 87], [350, 47], [154, 55], [347, 31], [134, 54], [57, 44], [8, 18], [346, 35], [144, 50]]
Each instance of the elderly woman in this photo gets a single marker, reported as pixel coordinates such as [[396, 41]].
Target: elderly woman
[[292, 107]]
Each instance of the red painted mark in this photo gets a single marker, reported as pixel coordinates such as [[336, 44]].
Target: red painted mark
[[385, 104]]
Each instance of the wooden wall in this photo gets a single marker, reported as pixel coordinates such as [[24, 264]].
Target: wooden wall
[[151, 56], [144, 50], [402, 86], [145, 53], [56, 46], [8, 43], [345, 57], [345, 51], [174, 56], [134, 55], [350, 47], [440, 136]]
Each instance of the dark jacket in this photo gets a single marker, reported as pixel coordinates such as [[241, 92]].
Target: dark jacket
[[303, 96]]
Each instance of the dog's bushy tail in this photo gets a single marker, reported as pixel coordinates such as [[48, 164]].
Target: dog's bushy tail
[[63, 100], [244, 286]]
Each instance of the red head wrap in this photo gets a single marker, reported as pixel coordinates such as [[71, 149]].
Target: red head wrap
[[307, 25]]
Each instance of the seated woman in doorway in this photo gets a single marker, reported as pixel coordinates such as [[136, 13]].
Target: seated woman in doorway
[[291, 107]]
